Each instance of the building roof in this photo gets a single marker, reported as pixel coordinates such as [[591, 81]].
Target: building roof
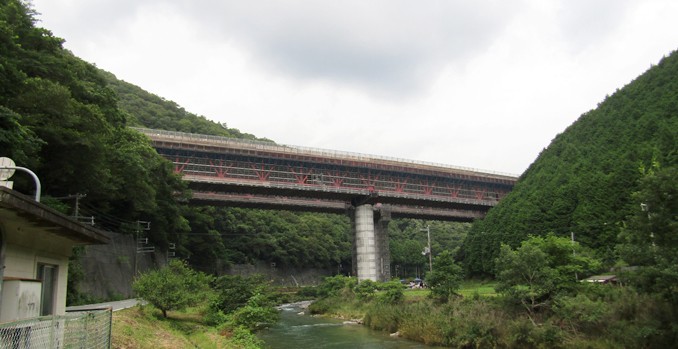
[[14, 205], [601, 278]]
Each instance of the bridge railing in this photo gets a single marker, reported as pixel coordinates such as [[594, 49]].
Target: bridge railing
[[301, 150], [202, 170]]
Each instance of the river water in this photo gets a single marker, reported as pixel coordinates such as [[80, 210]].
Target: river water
[[308, 332]]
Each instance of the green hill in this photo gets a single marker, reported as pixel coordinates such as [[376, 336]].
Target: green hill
[[144, 109], [582, 183]]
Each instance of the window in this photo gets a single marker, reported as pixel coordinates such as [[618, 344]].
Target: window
[[47, 273]]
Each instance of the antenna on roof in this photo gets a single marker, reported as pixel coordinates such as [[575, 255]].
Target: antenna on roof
[[7, 168]]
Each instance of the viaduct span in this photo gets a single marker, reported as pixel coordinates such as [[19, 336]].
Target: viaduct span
[[370, 189]]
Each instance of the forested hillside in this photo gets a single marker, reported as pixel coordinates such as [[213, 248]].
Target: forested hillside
[[145, 109], [584, 181], [60, 119]]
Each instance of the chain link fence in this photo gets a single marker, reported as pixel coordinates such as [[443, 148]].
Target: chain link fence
[[90, 329]]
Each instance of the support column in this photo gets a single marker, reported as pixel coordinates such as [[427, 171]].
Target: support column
[[382, 218], [371, 257]]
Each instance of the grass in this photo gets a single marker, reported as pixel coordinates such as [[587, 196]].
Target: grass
[[416, 294], [468, 289], [483, 288], [144, 327]]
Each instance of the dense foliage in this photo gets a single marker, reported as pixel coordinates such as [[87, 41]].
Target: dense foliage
[[582, 183], [234, 305], [540, 305], [61, 120], [541, 268], [649, 239], [246, 302], [341, 291]]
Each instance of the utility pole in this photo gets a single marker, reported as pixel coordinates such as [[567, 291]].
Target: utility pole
[[574, 254], [141, 242], [76, 208], [428, 249], [77, 203]]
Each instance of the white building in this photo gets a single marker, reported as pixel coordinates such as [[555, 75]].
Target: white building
[[35, 244]]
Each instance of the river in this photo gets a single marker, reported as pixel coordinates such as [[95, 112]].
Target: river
[[309, 332]]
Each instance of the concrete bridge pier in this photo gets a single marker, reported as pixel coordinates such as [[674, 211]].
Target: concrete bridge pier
[[371, 254]]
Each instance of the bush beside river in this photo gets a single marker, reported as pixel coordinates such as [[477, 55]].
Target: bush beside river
[[595, 316], [146, 328]]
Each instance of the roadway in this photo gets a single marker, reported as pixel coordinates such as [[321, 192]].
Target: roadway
[[115, 305]]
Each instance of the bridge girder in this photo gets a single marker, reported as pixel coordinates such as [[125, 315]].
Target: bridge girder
[[328, 206]]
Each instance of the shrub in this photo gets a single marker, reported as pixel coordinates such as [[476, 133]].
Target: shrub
[[322, 306], [424, 322], [382, 316], [242, 337], [365, 289], [233, 291], [308, 292], [257, 312], [392, 293], [173, 287], [336, 285], [582, 313]]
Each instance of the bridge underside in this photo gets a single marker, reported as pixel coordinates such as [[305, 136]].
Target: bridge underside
[[329, 206], [370, 213], [270, 189], [369, 221]]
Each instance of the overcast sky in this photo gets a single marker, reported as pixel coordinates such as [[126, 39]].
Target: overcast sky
[[480, 84]]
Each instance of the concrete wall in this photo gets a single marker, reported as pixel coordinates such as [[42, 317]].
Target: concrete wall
[[109, 269], [283, 276]]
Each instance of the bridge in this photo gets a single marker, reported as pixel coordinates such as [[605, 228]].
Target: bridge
[[370, 189]]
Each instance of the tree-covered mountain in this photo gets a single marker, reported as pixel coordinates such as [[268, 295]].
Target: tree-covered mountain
[[144, 109], [582, 183]]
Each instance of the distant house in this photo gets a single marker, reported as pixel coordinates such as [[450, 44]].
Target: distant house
[[602, 279], [35, 244]]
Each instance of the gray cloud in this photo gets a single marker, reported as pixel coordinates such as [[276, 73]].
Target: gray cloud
[[585, 23], [92, 18], [386, 47]]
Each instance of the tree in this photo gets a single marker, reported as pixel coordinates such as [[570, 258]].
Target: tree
[[649, 239], [16, 141], [541, 267], [173, 287], [445, 279]]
